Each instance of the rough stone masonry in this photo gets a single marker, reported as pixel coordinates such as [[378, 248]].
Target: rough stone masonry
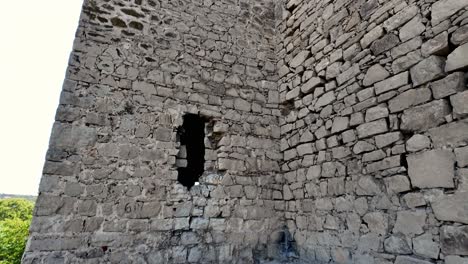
[[335, 131]]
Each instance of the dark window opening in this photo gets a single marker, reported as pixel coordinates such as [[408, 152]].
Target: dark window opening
[[191, 160]]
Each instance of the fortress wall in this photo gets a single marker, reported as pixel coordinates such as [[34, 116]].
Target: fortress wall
[[109, 192], [375, 131]]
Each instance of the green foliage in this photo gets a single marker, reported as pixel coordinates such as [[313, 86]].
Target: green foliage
[[15, 218], [16, 208]]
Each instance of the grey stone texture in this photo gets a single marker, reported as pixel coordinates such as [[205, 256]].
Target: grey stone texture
[[339, 125]]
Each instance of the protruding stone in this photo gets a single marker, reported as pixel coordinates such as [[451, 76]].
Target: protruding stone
[[449, 85], [425, 246], [400, 18], [453, 134], [457, 60], [371, 36], [397, 184], [412, 29], [432, 169], [421, 118], [427, 70], [408, 99], [436, 46]]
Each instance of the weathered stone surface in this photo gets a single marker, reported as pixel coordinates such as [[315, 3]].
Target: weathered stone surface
[[410, 223], [340, 124], [397, 184], [454, 240], [427, 70], [376, 112], [299, 58], [425, 246], [462, 156], [455, 260], [309, 86], [386, 43], [408, 99], [417, 143], [405, 62], [372, 128], [443, 9], [457, 60], [410, 260], [377, 222], [392, 83], [412, 29], [460, 103], [387, 139], [371, 36], [421, 118], [432, 169], [375, 74], [436, 46], [453, 134], [451, 207], [460, 35], [325, 99], [400, 18], [449, 85], [397, 244]]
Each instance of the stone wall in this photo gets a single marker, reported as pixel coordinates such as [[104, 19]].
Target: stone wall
[[375, 132], [109, 193], [336, 132]]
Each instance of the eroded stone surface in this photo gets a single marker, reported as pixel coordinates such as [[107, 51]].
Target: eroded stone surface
[[432, 169]]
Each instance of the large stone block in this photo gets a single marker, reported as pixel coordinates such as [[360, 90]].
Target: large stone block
[[460, 103], [372, 128], [454, 240], [410, 223], [449, 85], [427, 70], [452, 207], [457, 60], [443, 9], [421, 118], [408, 99], [387, 42], [432, 169], [453, 134], [437, 46]]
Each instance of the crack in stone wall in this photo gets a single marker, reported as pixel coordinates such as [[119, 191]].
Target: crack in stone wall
[[340, 123]]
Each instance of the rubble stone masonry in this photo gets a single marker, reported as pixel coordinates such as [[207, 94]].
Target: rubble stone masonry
[[336, 131]]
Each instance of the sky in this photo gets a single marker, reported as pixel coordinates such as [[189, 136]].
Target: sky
[[36, 40]]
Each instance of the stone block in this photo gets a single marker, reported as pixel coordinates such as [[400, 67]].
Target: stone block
[[417, 142], [460, 35], [436, 46], [432, 169], [408, 99], [387, 139], [340, 124], [310, 85], [443, 9], [377, 222], [375, 74], [412, 29], [462, 156], [455, 260], [391, 83], [371, 36], [454, 240], [397, 184], [451, 84], [397, 244], [453, 134], [400, 18], [460, 103], [386, 43], [299, 58], [427, 70], [376, 112], [410, 260], [425, 246], [372, 128], [457, 60], [451, 207], [424, 117], [405, 62], [410, 223]]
